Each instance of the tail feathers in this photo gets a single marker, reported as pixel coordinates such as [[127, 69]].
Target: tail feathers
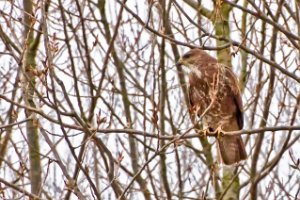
[[232, 149]]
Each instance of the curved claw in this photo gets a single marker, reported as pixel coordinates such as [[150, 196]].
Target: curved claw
[[219, 132], [206, 132]]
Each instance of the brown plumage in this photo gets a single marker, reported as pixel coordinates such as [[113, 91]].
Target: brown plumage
[[214, 95]]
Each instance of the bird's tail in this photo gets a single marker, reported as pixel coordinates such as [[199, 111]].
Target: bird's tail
[[232, 149]]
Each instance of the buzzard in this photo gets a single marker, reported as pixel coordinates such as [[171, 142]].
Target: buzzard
[[215, 97]]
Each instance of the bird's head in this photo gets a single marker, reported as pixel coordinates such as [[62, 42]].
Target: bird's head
[[195, 58]]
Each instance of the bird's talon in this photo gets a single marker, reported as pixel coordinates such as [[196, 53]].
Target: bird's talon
[[219, 133], [206, 132]]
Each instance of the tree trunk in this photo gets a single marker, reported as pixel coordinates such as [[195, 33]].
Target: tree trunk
[[28, 84]]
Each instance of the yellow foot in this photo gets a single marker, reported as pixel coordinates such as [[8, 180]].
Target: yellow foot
[[206, 132], [219, 132]]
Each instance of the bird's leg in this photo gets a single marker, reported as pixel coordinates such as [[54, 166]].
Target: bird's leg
[[219, 132], [206, 131]]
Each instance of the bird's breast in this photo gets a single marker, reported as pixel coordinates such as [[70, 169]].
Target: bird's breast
[[210, 95]]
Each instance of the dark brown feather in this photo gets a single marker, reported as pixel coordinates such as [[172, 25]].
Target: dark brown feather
[[215, 95]]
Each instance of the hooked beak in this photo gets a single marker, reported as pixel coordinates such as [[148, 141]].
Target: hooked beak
[[179, 62]]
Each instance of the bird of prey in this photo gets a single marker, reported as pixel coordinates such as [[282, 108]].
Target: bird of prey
[[215, 97]]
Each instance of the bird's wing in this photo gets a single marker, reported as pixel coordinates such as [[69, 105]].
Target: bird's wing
[[232, 82]]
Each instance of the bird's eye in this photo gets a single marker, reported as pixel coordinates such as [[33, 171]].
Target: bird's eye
[[187, 55]]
